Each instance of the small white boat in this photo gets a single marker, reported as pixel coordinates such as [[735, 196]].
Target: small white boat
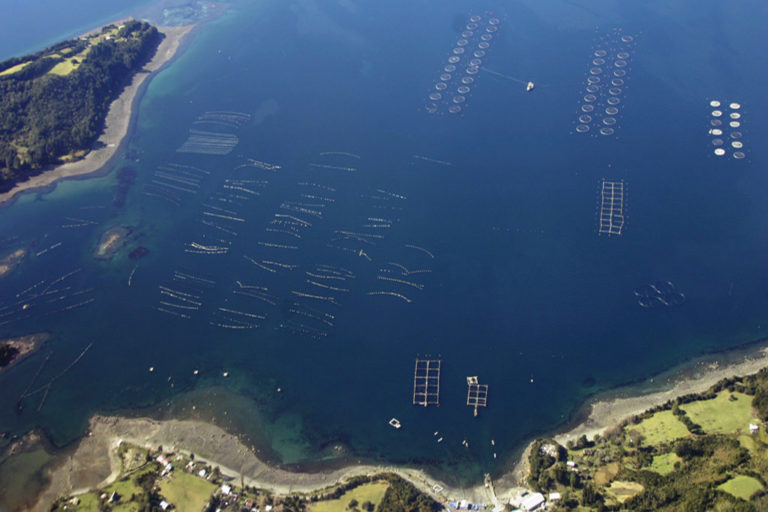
[[529, 87], [440, 440], [395, 423]]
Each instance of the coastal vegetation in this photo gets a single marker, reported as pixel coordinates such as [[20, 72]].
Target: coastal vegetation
[[53, 103], [150, 480], [366, 497], [16, 348], [7, 353], [706, 451]]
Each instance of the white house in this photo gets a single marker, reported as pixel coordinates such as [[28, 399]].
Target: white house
[[226, 489], [532, 501]]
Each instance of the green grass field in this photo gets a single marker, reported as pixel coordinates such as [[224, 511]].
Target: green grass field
[[186, 491], [741, 486], [720, 414], [63, 68], [372, 492], [622, 491], [662, 427], [664, 464], [606, 473], [124, 488], [66, 66], [88, 503], [14, 69]]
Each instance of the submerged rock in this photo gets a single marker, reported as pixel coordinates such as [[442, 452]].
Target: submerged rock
[[138, 253]]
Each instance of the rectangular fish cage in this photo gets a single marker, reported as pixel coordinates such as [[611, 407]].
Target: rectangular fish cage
[[611, 207], [426, 382], [477, 394]]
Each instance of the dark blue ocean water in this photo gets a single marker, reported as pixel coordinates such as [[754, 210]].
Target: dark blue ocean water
[[521, 292]]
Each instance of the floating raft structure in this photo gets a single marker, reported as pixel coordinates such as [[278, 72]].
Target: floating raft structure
[[477, 394], [426, 382], [611, 207]]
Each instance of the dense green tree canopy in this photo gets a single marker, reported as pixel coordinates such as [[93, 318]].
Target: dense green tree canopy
[[45, 116]]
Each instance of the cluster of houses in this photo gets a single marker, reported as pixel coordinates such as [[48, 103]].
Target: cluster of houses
[[524, 501], [463, 505], [230, 500], [533, 501]]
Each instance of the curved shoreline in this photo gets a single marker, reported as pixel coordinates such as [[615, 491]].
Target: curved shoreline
[[88, 466], [117, 125], [609, 407]]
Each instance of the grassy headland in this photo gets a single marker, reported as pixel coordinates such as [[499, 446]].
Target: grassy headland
[[53, 103], [704, 451]]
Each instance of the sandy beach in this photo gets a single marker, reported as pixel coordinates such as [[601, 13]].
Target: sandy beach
[[605, 413], [608, 409], [90, 465], [117, 123]]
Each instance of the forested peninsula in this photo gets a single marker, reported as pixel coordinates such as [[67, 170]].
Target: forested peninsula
[[53, 103]]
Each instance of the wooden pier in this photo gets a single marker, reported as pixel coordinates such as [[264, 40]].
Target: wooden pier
[[477, 394], [426, 382]]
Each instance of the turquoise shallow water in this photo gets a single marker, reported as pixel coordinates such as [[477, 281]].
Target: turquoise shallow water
[[515, 285]]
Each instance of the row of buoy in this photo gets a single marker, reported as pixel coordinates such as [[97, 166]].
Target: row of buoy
[[606, 79], [725, 129], [465, 60], [195, 372]]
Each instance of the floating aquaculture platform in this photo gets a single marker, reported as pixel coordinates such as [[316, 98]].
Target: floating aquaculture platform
[[477, 394], [611, 207], [426, 382]]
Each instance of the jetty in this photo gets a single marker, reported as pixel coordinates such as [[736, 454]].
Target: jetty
[[477, 394], [426, 382]]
